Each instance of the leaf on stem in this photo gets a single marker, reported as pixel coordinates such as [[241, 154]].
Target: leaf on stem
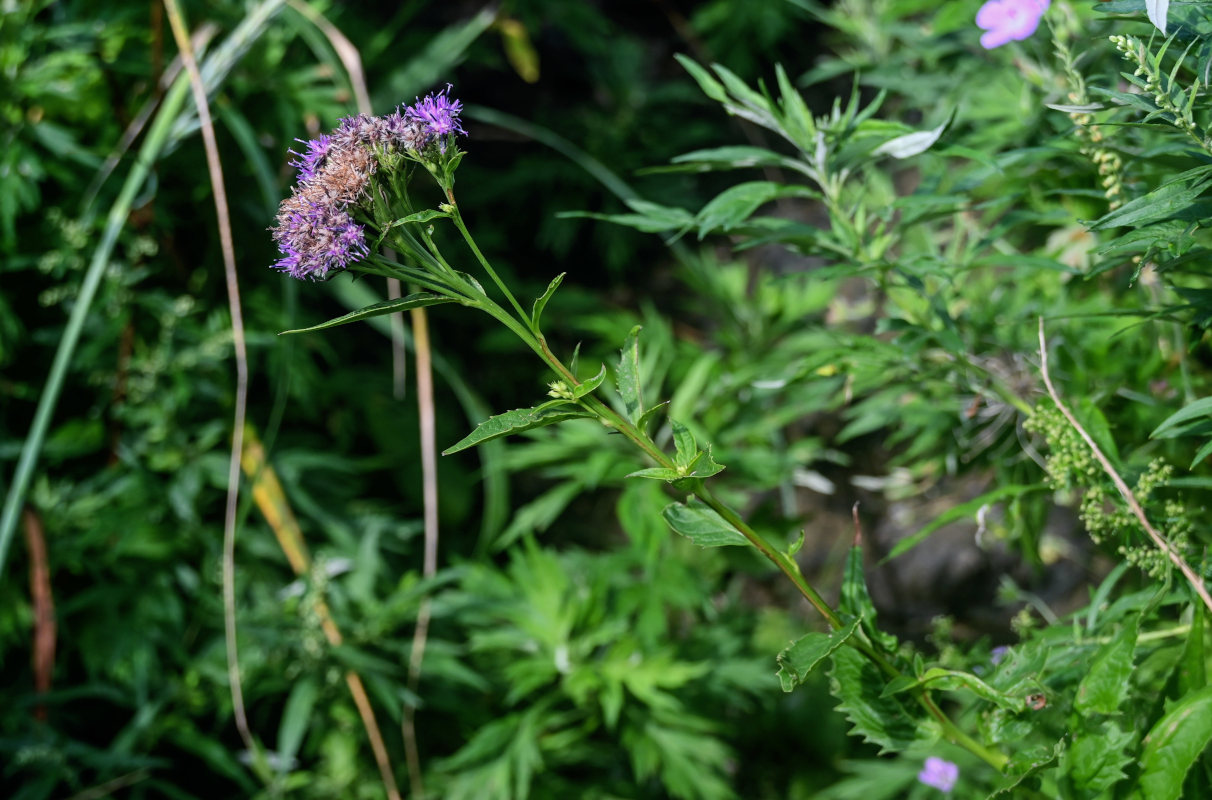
[[856, 601], [699, 523], [518, 420], [418, 300], [541, 303], [1173, 745], [585, 387], [1105, 685], [797, 661], [627, 376], [885, 721]]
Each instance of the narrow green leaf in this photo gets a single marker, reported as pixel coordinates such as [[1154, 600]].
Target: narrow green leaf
[[1192, 667], [1173, 745], [885, 721], [797, 661], [541, 303], [647, 417], [1163, 202], [585, 387], [295, 719], [856, 601], [700, 524], [518, 420], [710, 86], [683, 440], [736, 204], [1105, 685], [656, 473], [418, 300], [968, 509], [949, 680], [627, 376], [1174, 424], [736, 157]]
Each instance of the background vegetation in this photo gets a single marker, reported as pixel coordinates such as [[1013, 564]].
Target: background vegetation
[[850, 325]]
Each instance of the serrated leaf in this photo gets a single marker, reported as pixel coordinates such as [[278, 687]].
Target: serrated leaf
[[1173, 745], [1029, 764], [699, 523], [585, 387], [518, 420], [1097, 757], [419, 300], [627, 375], [1105, 685], [683, 441], [540, 304], [856, 601], [884, 721], [797, 661]]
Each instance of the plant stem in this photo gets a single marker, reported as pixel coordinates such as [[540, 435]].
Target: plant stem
[[458, 221]]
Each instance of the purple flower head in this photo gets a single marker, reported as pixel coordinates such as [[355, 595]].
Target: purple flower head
[[998, 653], [939, 773], [439, 114], [1009, 20], [310, 162], [316, 237]]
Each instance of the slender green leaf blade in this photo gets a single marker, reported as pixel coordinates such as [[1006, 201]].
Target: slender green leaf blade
[[585, 387], [295, 719], [540, 304], [1174, 424], [419, 300], [961, 511], [627, 376], [516, 421]]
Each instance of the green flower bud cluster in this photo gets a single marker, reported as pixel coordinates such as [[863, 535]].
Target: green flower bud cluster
[[1091, 135], [1177, 104], [1071, 466]]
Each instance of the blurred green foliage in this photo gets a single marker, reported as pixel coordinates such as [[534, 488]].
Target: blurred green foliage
[[850, 326]]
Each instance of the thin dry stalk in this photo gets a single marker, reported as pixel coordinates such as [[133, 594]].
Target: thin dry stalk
[[44, 608], [271, 500], [215, 168], [1124, 491]]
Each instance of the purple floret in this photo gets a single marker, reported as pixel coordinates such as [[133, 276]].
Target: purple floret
[[439, 114], [317, 238], [310, 162]]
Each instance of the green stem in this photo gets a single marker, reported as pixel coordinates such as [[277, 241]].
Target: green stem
[[458, 221]]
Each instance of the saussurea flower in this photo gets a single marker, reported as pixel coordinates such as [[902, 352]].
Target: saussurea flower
[[1009, 20], [439, 114], [318, 229], [939, 773]]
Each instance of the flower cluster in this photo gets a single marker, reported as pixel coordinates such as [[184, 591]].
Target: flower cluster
[[1009, 20], [315, 228]]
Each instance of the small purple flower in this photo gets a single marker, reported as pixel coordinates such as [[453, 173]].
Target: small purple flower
[[310, 162], [939, 773], [440, 115], [1009, 20], [317, 238], [998, 653]]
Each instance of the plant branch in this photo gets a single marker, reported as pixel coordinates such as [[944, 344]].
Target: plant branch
[[1124, 491]]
